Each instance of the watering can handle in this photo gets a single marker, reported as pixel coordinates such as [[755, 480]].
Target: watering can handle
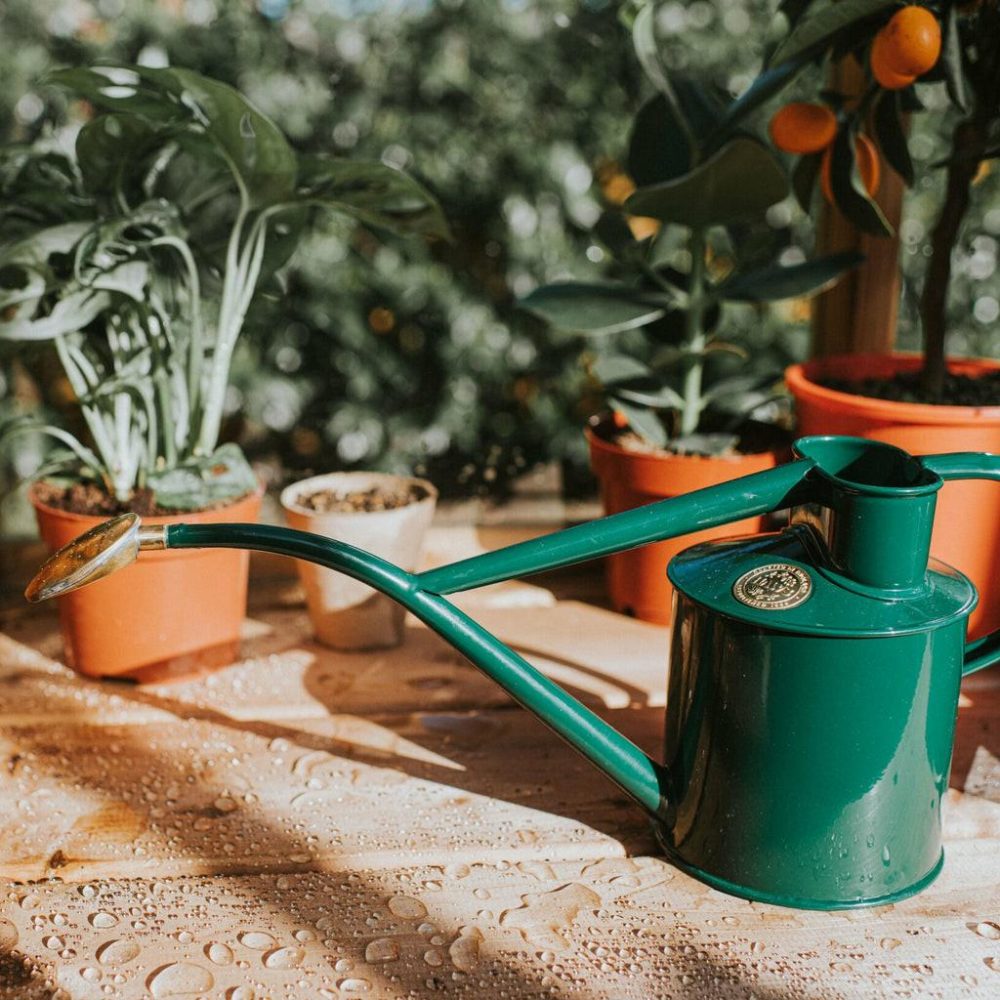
[[982, 652]]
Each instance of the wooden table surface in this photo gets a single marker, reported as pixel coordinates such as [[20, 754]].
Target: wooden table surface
[[309, 823]]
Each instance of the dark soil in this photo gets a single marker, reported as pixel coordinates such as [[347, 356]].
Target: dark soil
[[89, 498], [327, 501], [753, 438], [959, 390]]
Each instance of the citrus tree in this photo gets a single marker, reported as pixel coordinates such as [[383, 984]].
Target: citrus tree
[[842, 141]]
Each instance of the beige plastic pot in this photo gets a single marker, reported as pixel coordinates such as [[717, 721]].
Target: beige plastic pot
[[346, 614]]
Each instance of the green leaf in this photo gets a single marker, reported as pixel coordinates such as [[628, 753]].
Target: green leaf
[[644, 422], [595, 308], [110, 146], [742, 179], [627, 379], [891, 136], [200, 483], [804, 177], [151, 93], [848, 190], [254, 146], [255, 149], [821, 25], [709, 445], [659, 149], [70, 313], [772, 284], [372, 193]]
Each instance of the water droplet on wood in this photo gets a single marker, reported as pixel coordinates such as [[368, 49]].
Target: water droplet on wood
[[179, 979]]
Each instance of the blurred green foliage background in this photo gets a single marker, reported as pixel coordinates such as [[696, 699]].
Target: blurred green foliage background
[[398, 356]]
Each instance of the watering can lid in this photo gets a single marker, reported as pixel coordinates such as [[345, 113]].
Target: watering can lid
[[778, 581]]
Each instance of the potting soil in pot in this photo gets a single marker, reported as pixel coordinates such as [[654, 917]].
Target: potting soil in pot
[[905, 387], [362, 501]]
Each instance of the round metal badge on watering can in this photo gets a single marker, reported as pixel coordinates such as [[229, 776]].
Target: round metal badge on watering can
[[775, 587]]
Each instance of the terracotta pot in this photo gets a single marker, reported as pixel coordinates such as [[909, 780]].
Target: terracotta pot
[[346, 614], [171, 615], [967, 523], [637, 580]]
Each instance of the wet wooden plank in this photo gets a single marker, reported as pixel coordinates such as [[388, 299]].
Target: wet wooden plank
[[604, 658], [619, 928], [208, 794]]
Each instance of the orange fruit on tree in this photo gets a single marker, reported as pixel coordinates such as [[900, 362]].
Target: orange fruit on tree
[[865, 159], [912, 41], [883, 72], [803, 128]]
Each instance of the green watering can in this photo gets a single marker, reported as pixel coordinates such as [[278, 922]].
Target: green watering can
[[814, 672]]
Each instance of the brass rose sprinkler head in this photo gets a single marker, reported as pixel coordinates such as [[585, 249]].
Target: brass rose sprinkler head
[[110, 546]]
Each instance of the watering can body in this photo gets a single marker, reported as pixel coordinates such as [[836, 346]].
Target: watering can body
[[814, 672], [808, 760]]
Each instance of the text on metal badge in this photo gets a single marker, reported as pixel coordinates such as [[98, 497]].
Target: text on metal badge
[[775, 587]]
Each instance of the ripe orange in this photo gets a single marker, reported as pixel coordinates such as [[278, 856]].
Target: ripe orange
[[803, 128], [884, 74], [865, 158], [912, 41]]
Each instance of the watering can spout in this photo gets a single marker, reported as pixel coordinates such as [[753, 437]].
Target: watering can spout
[[116, 543]]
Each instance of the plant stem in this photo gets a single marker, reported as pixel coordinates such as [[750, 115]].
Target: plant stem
[[694, 334], [962, 169]]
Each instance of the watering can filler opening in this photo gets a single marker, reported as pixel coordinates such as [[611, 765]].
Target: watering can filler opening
[[814, 671]]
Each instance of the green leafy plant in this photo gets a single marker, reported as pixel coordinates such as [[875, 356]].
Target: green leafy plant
[[698, 173], [960, 47], [139, 254]]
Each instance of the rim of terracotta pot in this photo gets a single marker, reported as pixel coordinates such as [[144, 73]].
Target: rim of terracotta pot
[[800, 381], [71, 515], [359, 480], [601, 444]]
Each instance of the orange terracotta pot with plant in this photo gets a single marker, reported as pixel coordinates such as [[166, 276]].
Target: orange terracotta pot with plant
[[116, 263], [168, 616], [636, 580], [930, 403], [683, 393]]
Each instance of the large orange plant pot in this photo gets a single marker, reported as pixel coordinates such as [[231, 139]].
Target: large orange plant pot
[[637, 580], [967, 523], [171, 615]]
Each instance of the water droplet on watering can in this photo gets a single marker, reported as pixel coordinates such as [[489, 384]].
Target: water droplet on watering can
[[117, 952], [54, 942], [91, 974], [102, 919], [30, 901], [256, 940], [890, 943], [219, 953], [886, 856], [241, 993], [992, 963], [88, 891], [407, 907], [988, 929], [180, 979], [381, 950], [284, 958], [433, 957]]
